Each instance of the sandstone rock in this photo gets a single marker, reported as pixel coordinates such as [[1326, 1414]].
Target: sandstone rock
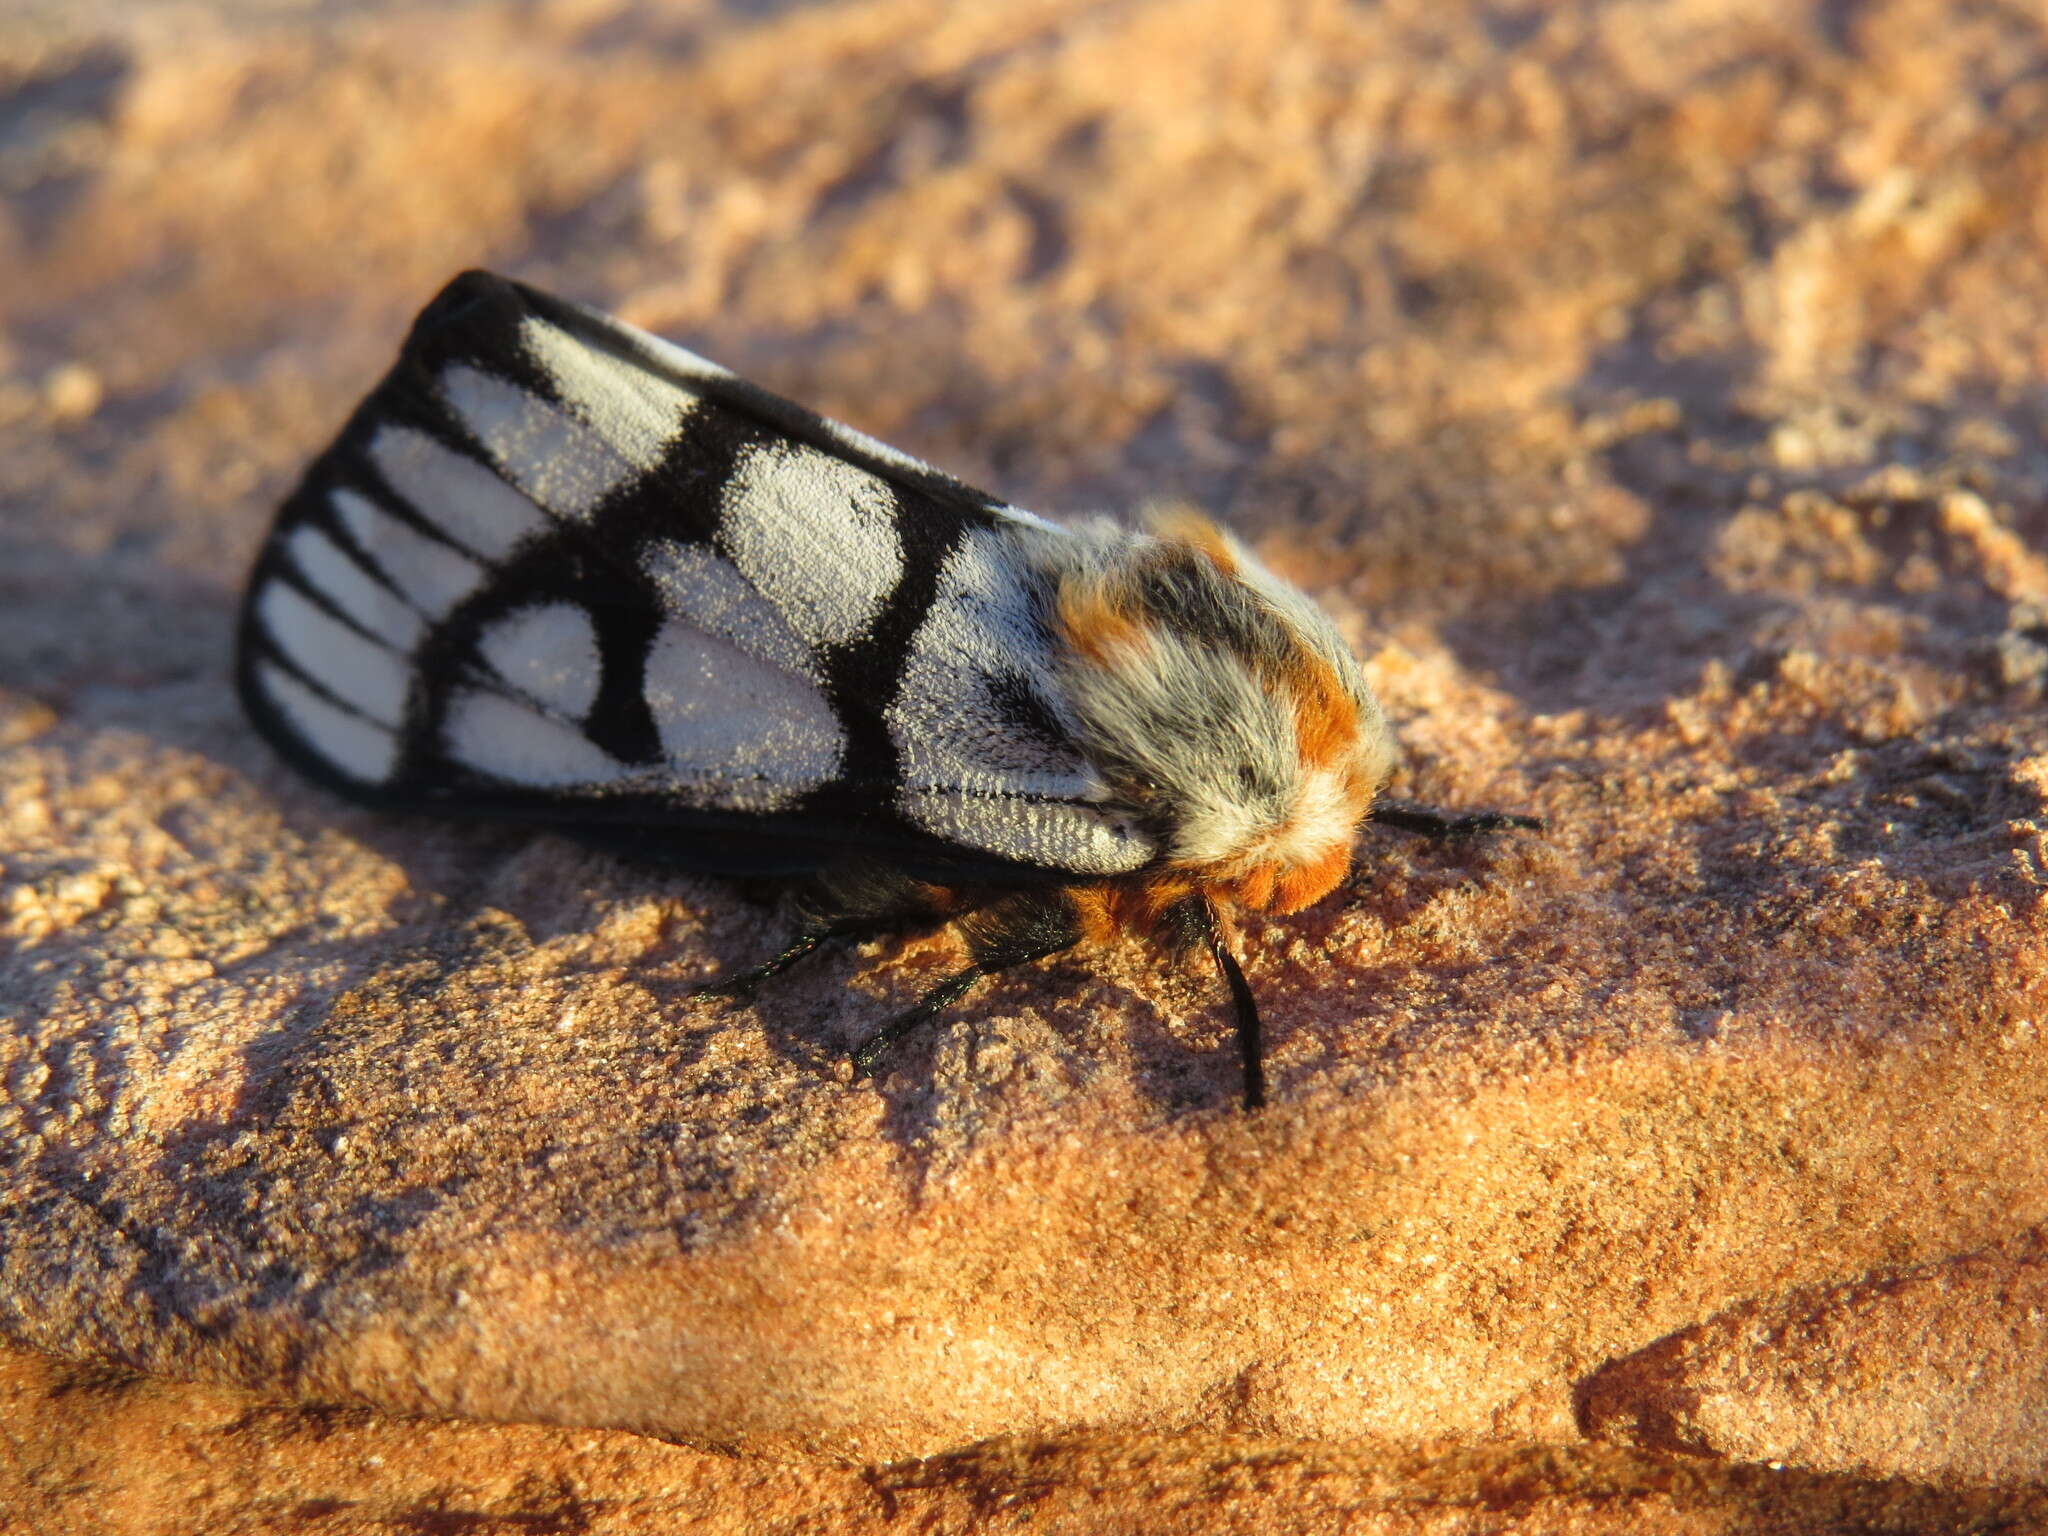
[[1650, 390], [1935, 1374], [92, 1449]]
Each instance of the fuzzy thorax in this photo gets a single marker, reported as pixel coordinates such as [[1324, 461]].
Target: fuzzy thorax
[[1222, 706]]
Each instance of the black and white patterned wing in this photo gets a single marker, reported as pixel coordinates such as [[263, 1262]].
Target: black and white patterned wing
[[557, 569]]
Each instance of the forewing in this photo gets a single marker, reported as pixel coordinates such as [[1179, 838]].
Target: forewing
[[558, 569]]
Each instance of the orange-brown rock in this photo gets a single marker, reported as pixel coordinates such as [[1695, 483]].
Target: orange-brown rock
[[1653, 391], [91, 1449], [1935, 1374]]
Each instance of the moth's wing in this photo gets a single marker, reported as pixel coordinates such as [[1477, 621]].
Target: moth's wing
[[560, 570]]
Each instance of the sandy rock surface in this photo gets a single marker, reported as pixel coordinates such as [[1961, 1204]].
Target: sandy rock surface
[[94, 1450], [1653, 392], [1938, 1367]]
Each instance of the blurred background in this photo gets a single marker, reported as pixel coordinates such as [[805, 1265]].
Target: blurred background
[[1489, 313]]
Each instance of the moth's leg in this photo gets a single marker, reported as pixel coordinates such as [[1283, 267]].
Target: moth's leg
[[1427, 821], [847, 904], [933, 1003], [1014, 931], [740, 987], [1196, 924]]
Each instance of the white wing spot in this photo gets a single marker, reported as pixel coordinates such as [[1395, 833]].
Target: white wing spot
[[708, 590], [561, 464], [549, 653], [433, 577], [816, 536], [450, 491], [352, 744], [515, 742], [637, 413], [341, 579], [972, 774], [750, 735], [359, 672]]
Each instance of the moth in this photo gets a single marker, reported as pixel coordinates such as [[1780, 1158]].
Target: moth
[[558, 570]]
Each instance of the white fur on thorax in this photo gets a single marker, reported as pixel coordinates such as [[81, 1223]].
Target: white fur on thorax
[[1192, 720]]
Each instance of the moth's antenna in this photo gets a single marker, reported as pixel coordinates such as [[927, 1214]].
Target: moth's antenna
[[1427, 821], [1249, 1047]]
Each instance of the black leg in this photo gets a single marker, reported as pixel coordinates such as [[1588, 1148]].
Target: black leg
[[853, 902], [1013, 932], [1190, 925], [1251, 1049], [742, 986], [933, 1003], [1449, 826]]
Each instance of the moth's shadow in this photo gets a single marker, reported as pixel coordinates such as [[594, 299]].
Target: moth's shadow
[[1041, 1032]]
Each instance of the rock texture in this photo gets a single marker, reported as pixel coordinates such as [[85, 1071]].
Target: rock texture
[[90, 1449], [1654, 393], [1939, 1370]]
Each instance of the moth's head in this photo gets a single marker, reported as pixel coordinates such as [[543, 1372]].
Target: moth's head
[[1221, 705]]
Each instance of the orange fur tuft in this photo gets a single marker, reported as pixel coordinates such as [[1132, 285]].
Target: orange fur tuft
[[1109, 910], [1325, 716], [1306, 884], [1096, 907], [1093, 625], [1254, 888], [1275, 887], [939, 900], [1184, 525]]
